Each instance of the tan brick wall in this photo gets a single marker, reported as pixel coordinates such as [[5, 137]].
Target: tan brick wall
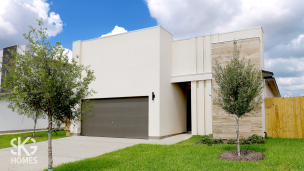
[[224, 125]]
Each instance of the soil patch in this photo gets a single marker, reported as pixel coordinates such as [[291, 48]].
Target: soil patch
[[31, 136], [250, 156]]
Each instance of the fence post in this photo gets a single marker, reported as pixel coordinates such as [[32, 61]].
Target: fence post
[[298, 118], [284, 118], [271, 100], [302, 114], [288, 114], [280, 113], [266, 116], [293, 117]]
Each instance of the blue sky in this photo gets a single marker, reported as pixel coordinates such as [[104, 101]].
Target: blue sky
[[68, 21], [90, 19]]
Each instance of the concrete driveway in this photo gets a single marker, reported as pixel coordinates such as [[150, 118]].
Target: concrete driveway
[[75, 148]]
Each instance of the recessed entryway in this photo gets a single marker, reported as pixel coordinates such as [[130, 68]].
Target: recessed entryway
[[188, 107]]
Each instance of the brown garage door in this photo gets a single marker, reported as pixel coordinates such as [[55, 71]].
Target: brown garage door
[[118, 117]]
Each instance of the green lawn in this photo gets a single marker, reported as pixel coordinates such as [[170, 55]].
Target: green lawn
[[5, 140], [281, 154]]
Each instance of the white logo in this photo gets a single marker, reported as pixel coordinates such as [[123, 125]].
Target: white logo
[[23, 160]]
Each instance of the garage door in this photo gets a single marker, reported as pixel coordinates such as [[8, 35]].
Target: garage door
[[118, 117]]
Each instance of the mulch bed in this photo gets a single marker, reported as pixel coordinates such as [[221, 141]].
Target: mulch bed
[[31, 136], [250, 156]]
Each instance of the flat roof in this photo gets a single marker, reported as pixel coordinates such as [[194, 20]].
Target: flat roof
[[126, 33], [170, 33], [222, 33]]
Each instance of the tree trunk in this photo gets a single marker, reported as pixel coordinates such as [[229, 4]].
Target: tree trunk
[[35, 122], [50, 155], [238, 137], [67, 127]]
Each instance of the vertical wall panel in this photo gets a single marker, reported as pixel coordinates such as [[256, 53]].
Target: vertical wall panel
[[208, 107], [200, 54], [201, 108], [193, 55], [194, 107], [207, 54]]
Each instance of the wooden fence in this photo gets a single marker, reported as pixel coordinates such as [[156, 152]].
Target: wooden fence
[[285, 117]]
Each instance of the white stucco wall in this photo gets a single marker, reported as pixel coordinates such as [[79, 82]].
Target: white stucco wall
[[22, 49], [172, 97], [1, 56], [192, 58], [268, 92], [181, 57], [126, 65], [12, 121], [140, 62]]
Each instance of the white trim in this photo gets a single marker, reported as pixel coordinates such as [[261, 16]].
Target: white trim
[[166, 30], [237, 39], [241, 30], [219, 33], [192, 74], [191, 77], [123, 33]]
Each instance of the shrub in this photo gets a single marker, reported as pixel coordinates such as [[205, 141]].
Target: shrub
[[255, 139], [209, 141], [231, 141]]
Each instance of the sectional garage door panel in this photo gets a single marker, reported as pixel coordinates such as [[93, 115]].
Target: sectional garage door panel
[[118, 117]]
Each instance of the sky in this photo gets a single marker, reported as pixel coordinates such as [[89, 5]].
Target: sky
[[68, 21]]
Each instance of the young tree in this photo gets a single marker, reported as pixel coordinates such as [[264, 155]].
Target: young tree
[[44, 79], [239, 88], [35, 116]]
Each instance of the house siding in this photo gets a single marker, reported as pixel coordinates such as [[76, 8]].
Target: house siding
[[224, 125]]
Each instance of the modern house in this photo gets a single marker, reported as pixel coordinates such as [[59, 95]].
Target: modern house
[[152, 86], [11, 121]]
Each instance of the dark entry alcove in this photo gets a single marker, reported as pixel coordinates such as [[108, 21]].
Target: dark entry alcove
[[188, 106]]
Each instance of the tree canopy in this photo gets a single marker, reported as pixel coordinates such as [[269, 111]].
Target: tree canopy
[[239, 84], [239, 87], [41, 79]]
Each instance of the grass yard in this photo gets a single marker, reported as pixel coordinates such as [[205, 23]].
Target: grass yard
[[281, 154], [5, 140]]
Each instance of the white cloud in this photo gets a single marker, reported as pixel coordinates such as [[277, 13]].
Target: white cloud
[[285, 64], [68, 52], [294, 48], [17, 15], [116, 30], [282, 22], [289, 74]]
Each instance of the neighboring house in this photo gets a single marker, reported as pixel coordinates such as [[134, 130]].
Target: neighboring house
[[271, 87], [152, 86], [10, 121]]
